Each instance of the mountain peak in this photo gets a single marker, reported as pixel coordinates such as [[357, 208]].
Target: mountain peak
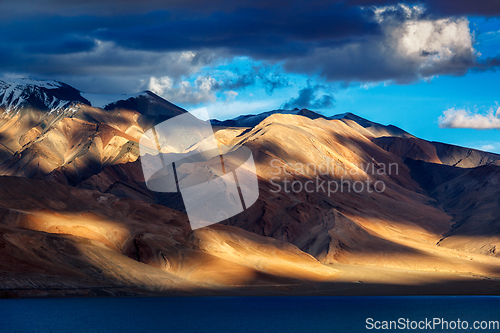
[[146, 103], [104, 100], [376, 128], [251, 120], [46, 95]]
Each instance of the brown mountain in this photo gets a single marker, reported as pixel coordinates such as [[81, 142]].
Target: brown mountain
[[436, 152], [77, 218], [464, 182]]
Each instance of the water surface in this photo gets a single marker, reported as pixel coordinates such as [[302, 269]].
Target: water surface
[[237, 314]]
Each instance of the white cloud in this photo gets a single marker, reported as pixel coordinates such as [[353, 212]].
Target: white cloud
[[411, 46], [493, 32], [489, 146], [202, 90], [460, 118], [111, 69], [230, 95], [160, 85]]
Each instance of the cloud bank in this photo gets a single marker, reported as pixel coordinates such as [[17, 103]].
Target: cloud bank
[[460, 118], [410, 46], [308, 99], [113, 46]]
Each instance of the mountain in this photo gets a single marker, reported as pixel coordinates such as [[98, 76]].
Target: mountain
[[252, 120], [50, 131], [40, 95], [52, 96], [376, 129], [337, 226], [146, 103], [342, 200], [355, 227], [437, 152], [57, 239]]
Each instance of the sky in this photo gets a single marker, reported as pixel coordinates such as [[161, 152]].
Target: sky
[[430, 67]]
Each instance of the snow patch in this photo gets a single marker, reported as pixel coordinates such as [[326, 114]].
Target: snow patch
[[15, 94], [23, 82]]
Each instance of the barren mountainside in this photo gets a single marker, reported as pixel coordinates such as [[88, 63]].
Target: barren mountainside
[[77, 219]]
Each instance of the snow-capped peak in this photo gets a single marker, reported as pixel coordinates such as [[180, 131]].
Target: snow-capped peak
[[49, 95], [25, 82], [54, 96]]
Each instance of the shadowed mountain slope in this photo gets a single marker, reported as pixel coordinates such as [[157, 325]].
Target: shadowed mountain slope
[[374, 129], [54, 235], [71, 140], [436, 152], [75, 213], [251, 120], [471, 196]]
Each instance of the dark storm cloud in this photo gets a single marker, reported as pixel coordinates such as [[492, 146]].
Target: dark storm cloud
[[248, 30], [67, 44], [465, 7], [406, 50], [260, 32], [338, 40], [307, 98], [114, 7]]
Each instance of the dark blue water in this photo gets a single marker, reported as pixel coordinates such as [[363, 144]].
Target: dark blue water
[[238, 314]]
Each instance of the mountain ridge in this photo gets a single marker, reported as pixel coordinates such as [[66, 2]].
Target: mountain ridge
[[46, 95], [75, 211], [252, 120], [37, 94]]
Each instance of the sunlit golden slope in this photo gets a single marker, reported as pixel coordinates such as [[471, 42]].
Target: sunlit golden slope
[[70, 144], [398, 228], [55, 235], [107, 231]]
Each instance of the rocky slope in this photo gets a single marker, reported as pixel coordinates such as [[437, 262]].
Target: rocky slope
[[436, 152], [66, 138], [375, 129], [77, 218], [58, 237]]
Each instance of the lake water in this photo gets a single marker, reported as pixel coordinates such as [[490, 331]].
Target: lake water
[[242, 314]]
